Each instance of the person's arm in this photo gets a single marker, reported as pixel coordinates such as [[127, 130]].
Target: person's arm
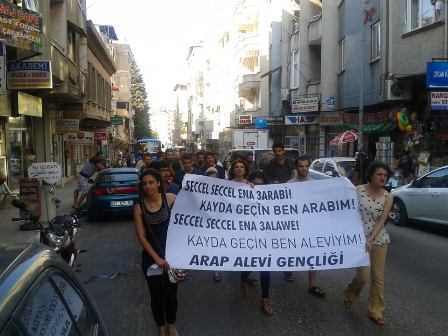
[[380, 223], [141, 237], [170, 198]]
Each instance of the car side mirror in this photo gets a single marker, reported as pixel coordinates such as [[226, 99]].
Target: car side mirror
[[415, 183], [90, 181], [329, 173]]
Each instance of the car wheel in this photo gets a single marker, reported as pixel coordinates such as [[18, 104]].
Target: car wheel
[[398, 214]]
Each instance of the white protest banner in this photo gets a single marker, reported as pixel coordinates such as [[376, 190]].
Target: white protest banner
[[223, 225]]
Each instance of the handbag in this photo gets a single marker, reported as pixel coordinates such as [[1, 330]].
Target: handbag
[[175, 275]]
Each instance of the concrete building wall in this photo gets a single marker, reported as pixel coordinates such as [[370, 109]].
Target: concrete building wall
[[410, 50], [353, 31]]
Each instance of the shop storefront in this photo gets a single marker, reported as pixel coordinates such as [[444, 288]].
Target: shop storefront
[[302, 131]]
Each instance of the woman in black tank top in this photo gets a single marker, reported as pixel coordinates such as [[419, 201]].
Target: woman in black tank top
[[151, 219]]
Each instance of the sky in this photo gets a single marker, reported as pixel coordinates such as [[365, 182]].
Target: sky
[[160, 33]]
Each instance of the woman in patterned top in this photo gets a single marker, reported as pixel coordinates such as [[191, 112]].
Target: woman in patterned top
[[375, 204]]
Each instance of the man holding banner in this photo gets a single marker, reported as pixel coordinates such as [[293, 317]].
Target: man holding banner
[[302, 164]]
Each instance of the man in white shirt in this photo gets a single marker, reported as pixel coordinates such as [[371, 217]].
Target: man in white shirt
[[439, 13]]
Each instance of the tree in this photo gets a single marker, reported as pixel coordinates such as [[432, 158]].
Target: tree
[[142, 128]]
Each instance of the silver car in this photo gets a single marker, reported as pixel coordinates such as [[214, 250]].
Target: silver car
[[424, 199], [334, 166]]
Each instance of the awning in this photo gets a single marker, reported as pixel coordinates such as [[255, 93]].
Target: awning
[[375, 127]]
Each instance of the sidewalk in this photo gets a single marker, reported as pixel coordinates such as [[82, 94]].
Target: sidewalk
[[9, 230]]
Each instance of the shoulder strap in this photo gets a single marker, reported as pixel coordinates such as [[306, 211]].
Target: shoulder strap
[[148, 227]]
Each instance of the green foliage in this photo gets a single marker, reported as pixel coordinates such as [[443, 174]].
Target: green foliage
[[142, 128]]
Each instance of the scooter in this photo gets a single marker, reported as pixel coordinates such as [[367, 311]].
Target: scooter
[[60, 234]]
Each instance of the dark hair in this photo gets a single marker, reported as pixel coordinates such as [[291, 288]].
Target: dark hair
[[208, 153], [163, 164], [302, 158], [187, 156], [232, 167], [374, 166], [257, 174], [98, 154], [200, 153], [147, 154], [278, 145], [155, 174]]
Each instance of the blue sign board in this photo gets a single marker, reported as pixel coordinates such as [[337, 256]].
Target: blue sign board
[[330, 103], [437, 75], [261, 123]]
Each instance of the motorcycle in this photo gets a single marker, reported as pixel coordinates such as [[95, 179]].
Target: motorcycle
[[60, 234]]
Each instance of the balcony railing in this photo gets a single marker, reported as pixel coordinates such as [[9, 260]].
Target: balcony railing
[[315, 30]]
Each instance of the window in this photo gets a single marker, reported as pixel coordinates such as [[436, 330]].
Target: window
[[342, 55], [71, 45], [375, 41], [28, 4], [295, 70], [420, 13], [437, 179]]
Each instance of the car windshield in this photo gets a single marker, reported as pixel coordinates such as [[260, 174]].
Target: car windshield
[[345, 166], [130, 178]]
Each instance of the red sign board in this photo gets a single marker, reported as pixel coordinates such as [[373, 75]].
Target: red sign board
[[245, 119], [100, 136]]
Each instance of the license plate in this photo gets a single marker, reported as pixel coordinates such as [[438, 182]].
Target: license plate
[[121, 203]]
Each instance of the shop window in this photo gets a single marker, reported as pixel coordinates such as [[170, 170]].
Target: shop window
[[420, 13], [28, 4], [375, 41]]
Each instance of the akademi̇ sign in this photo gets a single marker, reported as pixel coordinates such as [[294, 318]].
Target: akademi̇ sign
[[29, 75]]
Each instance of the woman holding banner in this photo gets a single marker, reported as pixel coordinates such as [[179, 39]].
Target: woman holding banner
[[151, 219], [375, 204]]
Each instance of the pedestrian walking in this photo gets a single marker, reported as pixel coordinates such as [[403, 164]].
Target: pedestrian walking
[[302, 164], [151, 219], [374, 204], [279, 170]]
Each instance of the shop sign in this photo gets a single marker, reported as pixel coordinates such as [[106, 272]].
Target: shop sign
[[67, 125], [115, 120], [83, 138], [245, 119], [29, 75], [368, 117], [2, 69], [442, 137], [29, 105], [330, 103], [439, 100], [100, 135], [30, 194], [437, 75], [306, 119], [305, 104], [19, 28], [330, 119], [49, 172]]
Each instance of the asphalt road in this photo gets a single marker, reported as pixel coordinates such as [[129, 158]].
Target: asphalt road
[[415, 293]]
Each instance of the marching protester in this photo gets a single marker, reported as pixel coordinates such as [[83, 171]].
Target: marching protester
[[96, 163], [257, 178], [151, 219], [375, 204], [147, 162], [279, 170], [302, 164], [210, 161], [187, 168], [166, 173], [212, 172], [200, 162], [170, 156]]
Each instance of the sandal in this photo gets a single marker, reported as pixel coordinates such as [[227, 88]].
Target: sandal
[[266, 307], [378, 320], [316, 291]]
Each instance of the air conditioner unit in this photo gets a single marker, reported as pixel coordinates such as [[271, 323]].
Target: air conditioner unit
[[396, 90]]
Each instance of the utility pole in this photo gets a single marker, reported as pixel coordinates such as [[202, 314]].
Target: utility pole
[[361, 91]]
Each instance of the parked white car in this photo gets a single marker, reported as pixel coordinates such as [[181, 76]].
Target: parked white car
[[334, 167], [424, 199]]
